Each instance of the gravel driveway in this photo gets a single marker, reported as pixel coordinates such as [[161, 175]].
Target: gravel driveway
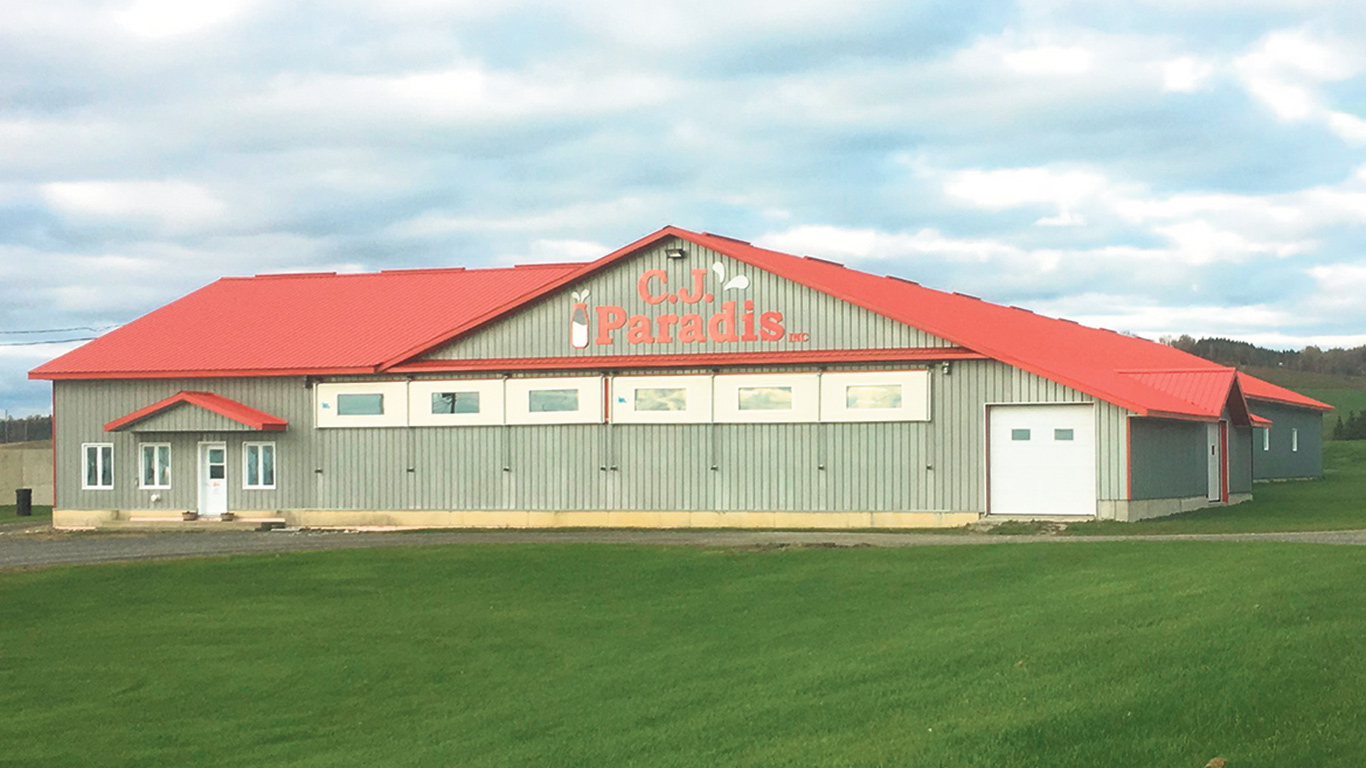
[[27, 547]]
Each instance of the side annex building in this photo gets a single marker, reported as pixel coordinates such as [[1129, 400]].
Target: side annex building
[[685, 380]]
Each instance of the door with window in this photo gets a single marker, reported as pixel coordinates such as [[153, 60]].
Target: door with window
[[213, 479], [1042, 460]]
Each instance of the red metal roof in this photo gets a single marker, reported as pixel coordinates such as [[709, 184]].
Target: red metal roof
[[1259, 389], [334, 324], [1206, 390], [616, 362], [231, 409], [276, 325]]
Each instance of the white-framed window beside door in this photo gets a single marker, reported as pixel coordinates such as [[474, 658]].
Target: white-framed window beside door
[[99, 466], [154, 466], [1294, 439], [258, 466], [1266, 438]]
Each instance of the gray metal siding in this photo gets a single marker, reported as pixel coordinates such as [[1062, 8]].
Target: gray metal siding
[[84, 407], [1281, 462], [1168, 459], [1239, 459], [542, 329], [934, 465], [188, 418]]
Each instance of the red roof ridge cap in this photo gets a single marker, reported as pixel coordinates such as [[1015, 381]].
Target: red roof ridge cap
[[824, 261], [1214, 368], [966, 295], [901, 279], [413, 270], [290, 275], [723, 237]]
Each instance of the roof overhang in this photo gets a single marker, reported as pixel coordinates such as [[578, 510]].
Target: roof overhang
[[217, 404], [717, 359]]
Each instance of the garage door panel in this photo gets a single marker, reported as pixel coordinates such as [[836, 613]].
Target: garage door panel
[[1043, 460]]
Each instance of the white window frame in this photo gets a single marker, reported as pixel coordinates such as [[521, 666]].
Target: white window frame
[[1294, 439], [698, 391], [1266, 438], [420, 402], [395, 395], [99, 466], [915, 395], [805, 398], [142, 466], [275, 468], [517, 405]]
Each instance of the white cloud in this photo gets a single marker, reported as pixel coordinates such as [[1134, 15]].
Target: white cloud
[[173, 205], [1349, 128], [1186, 74], [172, 18], [1288, 69], [1049, 60]]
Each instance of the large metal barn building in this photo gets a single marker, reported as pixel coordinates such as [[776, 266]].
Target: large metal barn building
[[685, 380]]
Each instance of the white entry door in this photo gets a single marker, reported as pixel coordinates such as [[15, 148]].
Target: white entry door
[[1214, 454], [213, 479], [1042, 460]]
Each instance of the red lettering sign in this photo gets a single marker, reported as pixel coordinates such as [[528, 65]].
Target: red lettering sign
[[735, 322]]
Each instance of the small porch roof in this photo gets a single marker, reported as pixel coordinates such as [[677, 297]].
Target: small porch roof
[[229, 409]]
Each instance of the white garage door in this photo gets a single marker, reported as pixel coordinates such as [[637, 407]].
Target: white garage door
[[1043, 460]]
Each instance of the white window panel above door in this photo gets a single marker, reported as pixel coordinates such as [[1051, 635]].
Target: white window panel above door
[[661, 399]]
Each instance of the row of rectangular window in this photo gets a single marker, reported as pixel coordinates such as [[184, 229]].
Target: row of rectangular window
[[731, 398], [154, 466], [1294, 439]]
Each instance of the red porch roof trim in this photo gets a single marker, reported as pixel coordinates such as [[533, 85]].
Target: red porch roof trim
[[715, 359], [1260, 421], [228, 409]]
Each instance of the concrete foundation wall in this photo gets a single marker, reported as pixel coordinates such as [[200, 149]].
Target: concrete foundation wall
[[389, 519], [1146, 509]]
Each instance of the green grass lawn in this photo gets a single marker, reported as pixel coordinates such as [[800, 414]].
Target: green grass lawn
[[40, 516], [1119, 654], [1335, 502]]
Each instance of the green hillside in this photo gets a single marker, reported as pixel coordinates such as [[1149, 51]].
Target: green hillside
[[1345, 393]]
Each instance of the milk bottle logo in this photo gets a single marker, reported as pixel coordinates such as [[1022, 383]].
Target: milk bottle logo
[[578, 320]]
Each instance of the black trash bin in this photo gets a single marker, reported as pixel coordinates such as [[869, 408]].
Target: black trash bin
[[23, 502]]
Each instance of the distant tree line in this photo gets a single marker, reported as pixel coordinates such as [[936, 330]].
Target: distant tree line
[[1353, 428], [1344, 362], [15, 430]]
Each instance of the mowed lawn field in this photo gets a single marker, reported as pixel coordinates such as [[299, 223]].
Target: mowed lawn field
[[1082, 654]]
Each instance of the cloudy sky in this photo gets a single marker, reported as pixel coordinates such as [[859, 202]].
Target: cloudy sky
[[1160, 167]]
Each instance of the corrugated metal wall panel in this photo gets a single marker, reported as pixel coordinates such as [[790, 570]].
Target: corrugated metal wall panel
[[1280, 462], [934, 465], [1169, 459], [84, 407], [542, 329], [188, 418]]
